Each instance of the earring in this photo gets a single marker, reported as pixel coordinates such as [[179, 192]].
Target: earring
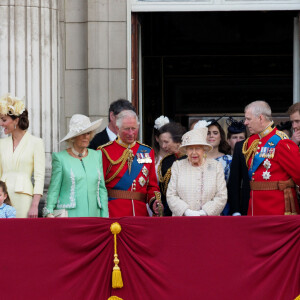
[[15, 126]]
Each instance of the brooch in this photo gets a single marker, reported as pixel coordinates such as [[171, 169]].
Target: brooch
[[266, 175], [267, 164], [145, 171], [142, 181]]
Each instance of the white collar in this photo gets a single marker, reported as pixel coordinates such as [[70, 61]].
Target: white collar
[[112, 136]]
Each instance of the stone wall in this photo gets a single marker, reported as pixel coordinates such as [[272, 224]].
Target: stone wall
[[29, 64], [93, 57]]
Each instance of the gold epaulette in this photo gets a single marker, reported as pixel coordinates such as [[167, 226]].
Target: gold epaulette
[[107, 144], [143, 144], [282, 135]]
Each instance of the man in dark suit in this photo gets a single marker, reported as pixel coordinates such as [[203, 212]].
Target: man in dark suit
[[111, 131], [238, 183]]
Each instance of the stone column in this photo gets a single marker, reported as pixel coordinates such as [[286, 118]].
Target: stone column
[[94, 51], [29, 64]]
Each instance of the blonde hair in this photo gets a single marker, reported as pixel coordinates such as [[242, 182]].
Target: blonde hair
[[70, 141]]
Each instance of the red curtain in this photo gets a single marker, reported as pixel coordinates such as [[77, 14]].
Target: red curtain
[[160, 258]]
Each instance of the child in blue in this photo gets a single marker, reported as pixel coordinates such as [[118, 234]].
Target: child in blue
[[6, 210]]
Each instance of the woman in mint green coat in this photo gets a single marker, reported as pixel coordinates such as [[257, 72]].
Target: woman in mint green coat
[[77, 183]]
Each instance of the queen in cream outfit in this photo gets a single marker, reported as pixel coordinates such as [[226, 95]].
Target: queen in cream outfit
[[21, 155], [197, 186]]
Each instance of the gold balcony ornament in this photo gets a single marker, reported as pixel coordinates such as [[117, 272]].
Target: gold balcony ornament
[[117, 281], [114, 298]]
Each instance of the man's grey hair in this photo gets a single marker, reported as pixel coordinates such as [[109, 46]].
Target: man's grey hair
[[260, 107], [124, 115]]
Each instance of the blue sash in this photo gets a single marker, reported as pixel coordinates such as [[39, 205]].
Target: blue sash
[[257, 160], [126, 181]]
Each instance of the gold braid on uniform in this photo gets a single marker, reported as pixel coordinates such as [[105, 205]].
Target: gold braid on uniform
[[127, 154], [166, 178], [165, 181], [160, 178], [251, 151]]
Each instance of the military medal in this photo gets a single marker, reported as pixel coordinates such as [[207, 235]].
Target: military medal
[[140, 158], [142, 181], [266, 175], [263, 152], [271, 152], [145, 171], [267, 164], [148, 158], [143, 158]]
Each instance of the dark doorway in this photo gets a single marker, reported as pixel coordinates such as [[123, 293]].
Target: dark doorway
[[205, 63]]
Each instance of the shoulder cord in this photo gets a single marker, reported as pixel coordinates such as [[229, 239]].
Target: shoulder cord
[[251, 150], [124, 157]]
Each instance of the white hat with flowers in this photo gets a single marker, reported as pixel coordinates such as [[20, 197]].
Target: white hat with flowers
[[11, 105], [197, 136]]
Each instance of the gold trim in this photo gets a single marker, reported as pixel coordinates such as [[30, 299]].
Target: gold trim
[[121, 143], [266, 131], [107, 144], [127, 156], [251, 150], [143, 144]]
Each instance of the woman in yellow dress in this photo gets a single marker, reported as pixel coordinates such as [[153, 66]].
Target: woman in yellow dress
[[21, 155]]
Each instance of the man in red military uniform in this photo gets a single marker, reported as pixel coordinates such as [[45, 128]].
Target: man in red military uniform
[[273, 164], [129, 171]]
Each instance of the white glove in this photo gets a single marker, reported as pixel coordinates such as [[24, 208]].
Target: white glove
[[192, 213], [236, 214], [50, 216]]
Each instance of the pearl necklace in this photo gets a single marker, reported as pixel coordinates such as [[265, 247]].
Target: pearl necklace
[[77, 153]]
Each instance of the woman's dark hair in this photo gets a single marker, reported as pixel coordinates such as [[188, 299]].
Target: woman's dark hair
[[223, 146], [155, 144], [176, 131], [23, 120], [4, 189]]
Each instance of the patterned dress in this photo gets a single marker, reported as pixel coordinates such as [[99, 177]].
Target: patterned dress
[[225, 160], [7, 211]]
